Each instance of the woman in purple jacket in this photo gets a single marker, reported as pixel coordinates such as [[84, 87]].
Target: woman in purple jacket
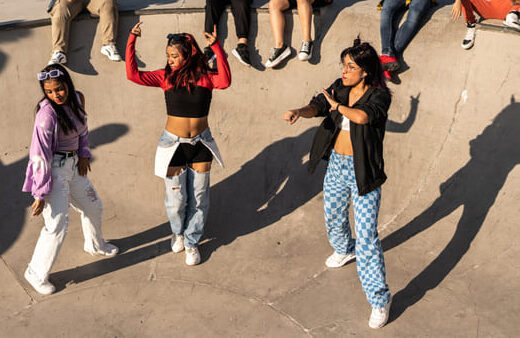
[[57, 175]]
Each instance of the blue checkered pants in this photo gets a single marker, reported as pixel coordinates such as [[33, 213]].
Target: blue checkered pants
[[338, 187]]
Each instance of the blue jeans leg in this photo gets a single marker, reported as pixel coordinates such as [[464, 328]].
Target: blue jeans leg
[[388, 15], [197, 208], [416, 11], [176, 200], [336, 198]]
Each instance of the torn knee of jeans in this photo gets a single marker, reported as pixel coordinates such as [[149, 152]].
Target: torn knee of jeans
[[178, 187], [91, 193]]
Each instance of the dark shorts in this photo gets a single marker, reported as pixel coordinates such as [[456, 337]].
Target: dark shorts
[[187, 153], [316, 3]]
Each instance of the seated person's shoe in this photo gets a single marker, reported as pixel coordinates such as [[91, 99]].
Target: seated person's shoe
[[108, 250], [379, 316], [58, 57], [278, 55], [192, 256], [42, 286], [111, 52], [512, 20], [389, 63], [241, 52], [209, 54], [305, 51], [469, 39], [177, 243]]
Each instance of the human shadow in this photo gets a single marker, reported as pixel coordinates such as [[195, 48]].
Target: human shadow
[[404, 127], [323, 19], [15, 203], [494, 153], [8, 36], [271, 185]]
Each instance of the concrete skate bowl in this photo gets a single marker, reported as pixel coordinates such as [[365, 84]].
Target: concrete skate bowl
[[449, 212]]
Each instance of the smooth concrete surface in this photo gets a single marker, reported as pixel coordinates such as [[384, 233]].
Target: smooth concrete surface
[[448, 222]]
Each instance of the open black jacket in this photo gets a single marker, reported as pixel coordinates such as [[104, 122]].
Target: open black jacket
[[367, 139]]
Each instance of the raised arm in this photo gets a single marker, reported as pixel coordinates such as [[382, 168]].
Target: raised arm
[[222, 78], [152, 79]]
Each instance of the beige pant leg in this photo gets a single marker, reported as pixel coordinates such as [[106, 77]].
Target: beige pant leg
[[62, 14], [108, 12]]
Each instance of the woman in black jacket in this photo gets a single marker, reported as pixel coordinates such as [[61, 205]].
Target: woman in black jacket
[[351, 139]]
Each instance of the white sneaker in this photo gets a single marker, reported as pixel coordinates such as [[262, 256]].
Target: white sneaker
[[512, 20], [58, 57], [469, 39], [109, 250], [192, 256], [336, 260], [379, 316], [111, 51], [177, 243], [305, 51], [42, 286]]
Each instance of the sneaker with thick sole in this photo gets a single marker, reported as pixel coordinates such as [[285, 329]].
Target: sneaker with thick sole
[[389, 63], [469, 39], [111, 52], [108, 250], [177, 243], [305, 51], [241, 52], [42, 286], [278, 55], [209, 54], [379, 316], [192, 256], [337, 260], [58, 57], [512, 20]]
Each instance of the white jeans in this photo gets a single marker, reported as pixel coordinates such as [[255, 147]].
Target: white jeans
[[68, 188]]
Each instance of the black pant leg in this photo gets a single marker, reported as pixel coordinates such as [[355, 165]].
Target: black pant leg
[[242, 13], [214, 9]]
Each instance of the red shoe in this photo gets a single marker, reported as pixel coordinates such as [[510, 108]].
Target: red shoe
[[389, 63]]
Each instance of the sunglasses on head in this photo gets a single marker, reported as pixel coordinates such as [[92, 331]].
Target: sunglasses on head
[[50, 75], [177, 36]]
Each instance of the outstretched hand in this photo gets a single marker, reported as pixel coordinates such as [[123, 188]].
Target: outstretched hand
[[211, 38], [330, 99], [136, 30], [291, 116]]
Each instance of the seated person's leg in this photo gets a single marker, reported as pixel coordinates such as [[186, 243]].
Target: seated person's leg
[[416, 12], [242, 14], [469, 16], [108, 12], [62, 14], [305, 14], [277, 19]]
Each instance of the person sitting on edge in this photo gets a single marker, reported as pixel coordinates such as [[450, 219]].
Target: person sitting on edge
[[281, 51], [393, 42], [241, 10], [507, 10], [62, 12], [56, 176]]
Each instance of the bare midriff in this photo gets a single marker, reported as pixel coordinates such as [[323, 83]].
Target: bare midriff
[[343, 145], [187, 127]]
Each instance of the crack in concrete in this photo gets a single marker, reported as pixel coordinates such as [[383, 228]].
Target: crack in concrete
[[505, 79], [415, 195], [11, 271]]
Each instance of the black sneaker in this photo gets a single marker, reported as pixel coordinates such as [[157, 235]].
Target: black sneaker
[[278, 55], [209, 54], [241, 52]]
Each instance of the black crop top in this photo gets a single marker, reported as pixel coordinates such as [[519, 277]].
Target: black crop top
[[179, 102]]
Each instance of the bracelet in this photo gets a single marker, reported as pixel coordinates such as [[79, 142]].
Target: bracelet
[[337, 107]]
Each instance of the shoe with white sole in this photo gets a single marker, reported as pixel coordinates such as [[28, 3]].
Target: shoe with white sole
[[469, 39], [241, 52], [58, 57], [337, 260], [512, 20], [192, 256], [111, 52], [42, 286], [379, 316], [278, 55], [108, 250], [305, 53], [177, 243]]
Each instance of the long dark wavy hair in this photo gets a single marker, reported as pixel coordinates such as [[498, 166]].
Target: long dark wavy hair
[[64, 120], [195, 63], [365, 56]]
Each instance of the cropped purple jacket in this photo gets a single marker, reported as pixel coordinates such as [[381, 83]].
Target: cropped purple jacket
[[38, 176]]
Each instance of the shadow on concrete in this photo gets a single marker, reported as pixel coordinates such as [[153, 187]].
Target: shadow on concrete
[[404, 127], [494, 153], [12, 176], [277, 183], [12, 35]]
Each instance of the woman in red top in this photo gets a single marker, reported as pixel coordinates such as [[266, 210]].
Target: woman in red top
[[186, 147]]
